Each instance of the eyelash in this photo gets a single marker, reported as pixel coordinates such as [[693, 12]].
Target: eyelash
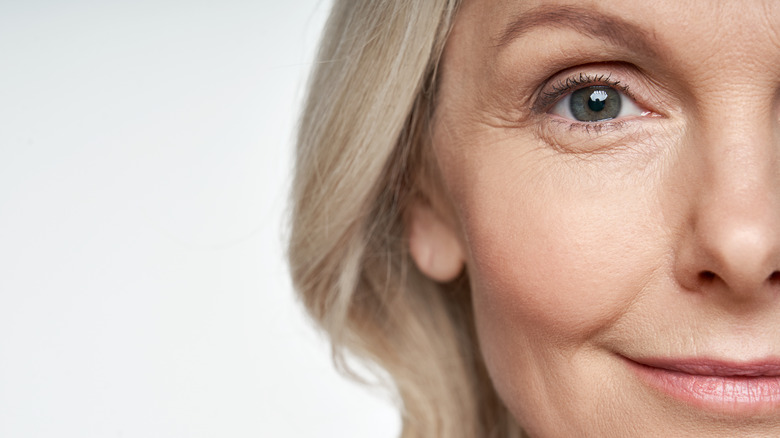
[[572, 83]]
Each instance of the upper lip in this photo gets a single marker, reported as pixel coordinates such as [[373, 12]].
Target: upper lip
[[715, 367]]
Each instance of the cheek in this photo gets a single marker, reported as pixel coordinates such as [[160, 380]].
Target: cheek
[[555, 264], [555, 257]]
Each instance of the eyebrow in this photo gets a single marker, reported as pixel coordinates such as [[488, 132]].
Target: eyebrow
[[586, 21]]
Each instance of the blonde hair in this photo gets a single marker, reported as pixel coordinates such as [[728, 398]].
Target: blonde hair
[[361, 157]]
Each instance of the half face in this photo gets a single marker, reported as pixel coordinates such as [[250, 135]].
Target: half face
[[612, 171]]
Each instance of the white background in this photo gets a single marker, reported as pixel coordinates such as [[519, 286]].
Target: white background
[[144, 160]]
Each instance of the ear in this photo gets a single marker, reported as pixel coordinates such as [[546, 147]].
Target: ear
[[433, 244]]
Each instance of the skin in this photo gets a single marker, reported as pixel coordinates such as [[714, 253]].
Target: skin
[[651, 235]]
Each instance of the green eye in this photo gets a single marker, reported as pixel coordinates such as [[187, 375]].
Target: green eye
[[596, 103]]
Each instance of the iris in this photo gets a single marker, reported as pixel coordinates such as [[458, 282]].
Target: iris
[[595, 103]]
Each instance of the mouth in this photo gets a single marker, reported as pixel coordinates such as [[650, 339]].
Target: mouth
[[741, 388]]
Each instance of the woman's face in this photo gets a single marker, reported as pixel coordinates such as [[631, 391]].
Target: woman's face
[[613, 171]]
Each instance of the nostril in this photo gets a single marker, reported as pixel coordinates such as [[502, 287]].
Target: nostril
[[709, 275], [775, 277]]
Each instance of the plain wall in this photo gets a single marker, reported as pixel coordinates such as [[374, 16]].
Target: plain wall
[[145, 152]]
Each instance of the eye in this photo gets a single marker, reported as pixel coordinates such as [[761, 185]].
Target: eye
[[596, 103]]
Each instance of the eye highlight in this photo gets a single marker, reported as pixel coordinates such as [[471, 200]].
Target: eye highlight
[[595, 103]]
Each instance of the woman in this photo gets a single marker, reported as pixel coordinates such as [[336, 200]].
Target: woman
[[550, 218]]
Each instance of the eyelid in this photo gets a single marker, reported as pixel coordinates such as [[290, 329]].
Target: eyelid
[[572, 135]]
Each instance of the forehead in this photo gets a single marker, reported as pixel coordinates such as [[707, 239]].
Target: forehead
[[687, 12], [645, 26]]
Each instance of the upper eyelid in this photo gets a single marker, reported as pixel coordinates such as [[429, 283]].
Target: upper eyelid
[[570, 83]]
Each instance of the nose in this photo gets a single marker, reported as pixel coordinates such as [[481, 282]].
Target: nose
[[730, 244]]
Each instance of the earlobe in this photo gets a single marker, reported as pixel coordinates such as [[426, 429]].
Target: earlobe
[[433, 244]]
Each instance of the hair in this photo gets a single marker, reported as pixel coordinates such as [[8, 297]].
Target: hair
[[363, 153]]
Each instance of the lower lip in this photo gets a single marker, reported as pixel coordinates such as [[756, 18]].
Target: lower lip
[[746, 395]]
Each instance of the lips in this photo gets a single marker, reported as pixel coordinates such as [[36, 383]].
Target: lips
[[713, 385], [714, 368]]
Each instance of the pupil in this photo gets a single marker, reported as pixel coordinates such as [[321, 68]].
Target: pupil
[[597, 101]]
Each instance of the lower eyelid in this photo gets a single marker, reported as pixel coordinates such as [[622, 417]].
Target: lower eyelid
[[578, 137], [590, 127]]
